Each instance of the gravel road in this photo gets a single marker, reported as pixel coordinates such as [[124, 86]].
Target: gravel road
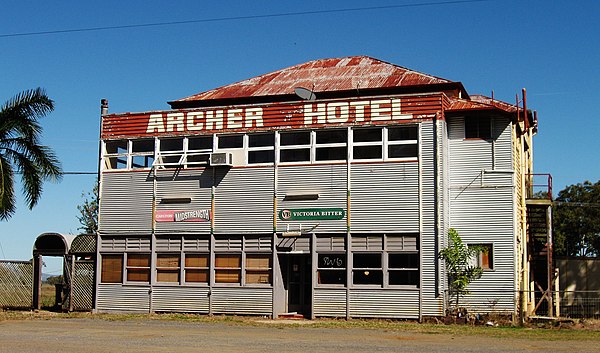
[[93, 335]]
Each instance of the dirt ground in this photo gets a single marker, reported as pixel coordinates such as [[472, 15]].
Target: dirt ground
[[81, 334]]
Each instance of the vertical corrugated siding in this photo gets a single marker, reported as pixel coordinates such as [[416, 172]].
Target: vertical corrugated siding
[[123, 298], [483, 211], [257, 301], [329, 181], [385, 195], [244, 200], [432, 305], [195, 184], [180, 299], [384, 303], [126, 203], [330, 302]]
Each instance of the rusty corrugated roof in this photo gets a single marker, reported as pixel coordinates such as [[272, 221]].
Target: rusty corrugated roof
[[324, 75], [479, 102]]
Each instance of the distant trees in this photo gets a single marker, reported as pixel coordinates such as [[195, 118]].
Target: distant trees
[[21, 151], [576, 220], [88, 211]]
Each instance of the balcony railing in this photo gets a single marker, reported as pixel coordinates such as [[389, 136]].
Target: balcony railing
[[539, 186]]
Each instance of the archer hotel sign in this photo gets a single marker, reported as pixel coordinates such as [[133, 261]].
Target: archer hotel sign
[[261, 117]]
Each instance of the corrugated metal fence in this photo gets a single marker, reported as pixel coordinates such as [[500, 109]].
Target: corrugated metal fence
[[16, 284]]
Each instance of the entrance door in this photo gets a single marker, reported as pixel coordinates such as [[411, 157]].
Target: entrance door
[[296, 270]]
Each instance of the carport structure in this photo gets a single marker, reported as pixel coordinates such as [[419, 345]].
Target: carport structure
[[78, 253]]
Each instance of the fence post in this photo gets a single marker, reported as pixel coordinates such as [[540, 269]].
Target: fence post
[[37, 281]]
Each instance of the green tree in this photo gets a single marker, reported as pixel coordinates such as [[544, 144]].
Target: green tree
[[459, 269], [21, 151], [576, 220], [88, 211]]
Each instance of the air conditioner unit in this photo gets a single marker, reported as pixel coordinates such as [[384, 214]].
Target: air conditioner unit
[[221, 159]]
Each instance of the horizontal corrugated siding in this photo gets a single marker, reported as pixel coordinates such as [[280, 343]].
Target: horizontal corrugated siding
[[328, 181], [257, 301], [385, 196], [384, 303], [195, 184], [123, 298], [126, 203], [330, 302], [180, 299], [244, 200]]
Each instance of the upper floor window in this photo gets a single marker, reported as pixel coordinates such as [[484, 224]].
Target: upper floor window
[[478, 128], [331, 145]]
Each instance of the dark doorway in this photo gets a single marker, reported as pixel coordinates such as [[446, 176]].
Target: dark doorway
[[297, 281]]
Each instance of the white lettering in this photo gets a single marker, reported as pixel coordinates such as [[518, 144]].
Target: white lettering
[[359, 112], [214, 120], [254, 115], [332, 112], [193, 122], [155, 124], [234, 118], [175, 122], [310, 113], [379, 113]]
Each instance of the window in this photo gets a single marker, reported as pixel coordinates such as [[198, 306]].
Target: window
[[196, 268], [231, 141], [367, 143], [167, 267], [258, 269], [228, 268], [138, 267], [116, 154], [367, 268], [261, 148], [478, 128], [402, 142], [171, 152], [198, 150], [404, 269], [331, 145], [485, 257], [142, 153], [331, 268], [294, 146], [112, 268]]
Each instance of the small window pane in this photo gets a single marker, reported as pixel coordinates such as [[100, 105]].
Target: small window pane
[[367, 260], [367, 277], [367, 152], [228, 260], [141, 161], [140, 146], [118, 146], [404, 278], [367, 135], [112, 269], [331, 154], [402, 133], [261, 157], [295, 155], [116, 163], [171, 144], [228, 276], [478, 127], [200, 143], [167, 276], [261, 140], [331, 277], [332, 136], [332, 261], [231, 141], [403, 261], [196, 260], [196, 275], [403, 151], [167, 260], [138, 275], [294, 138], [138, 260]]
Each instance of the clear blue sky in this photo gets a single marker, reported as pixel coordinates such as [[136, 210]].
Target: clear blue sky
[[551, 48]]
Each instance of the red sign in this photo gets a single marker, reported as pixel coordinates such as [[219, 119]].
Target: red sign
[[272, 116], [182, 216]]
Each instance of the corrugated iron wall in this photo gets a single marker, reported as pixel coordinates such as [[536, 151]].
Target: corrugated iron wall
[[482, 209]]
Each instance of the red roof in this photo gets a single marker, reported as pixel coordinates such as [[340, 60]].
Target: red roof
[[479, 102], [324, 75]]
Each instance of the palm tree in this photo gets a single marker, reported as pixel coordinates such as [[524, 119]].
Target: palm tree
[[21, 151]]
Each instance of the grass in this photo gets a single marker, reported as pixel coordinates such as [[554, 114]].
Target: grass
[[588, 330]]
